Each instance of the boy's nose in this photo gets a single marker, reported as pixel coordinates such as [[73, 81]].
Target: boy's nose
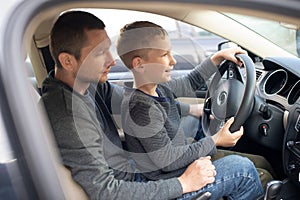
[[173, 61], [110, 60], [113, 63]]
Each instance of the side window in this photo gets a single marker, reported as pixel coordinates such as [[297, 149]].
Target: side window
[[190, 44], [187, 53]]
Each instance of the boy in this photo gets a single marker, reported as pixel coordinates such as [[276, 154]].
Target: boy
[[151, 116]]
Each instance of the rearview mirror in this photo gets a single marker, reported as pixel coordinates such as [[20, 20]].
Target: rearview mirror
[[226, 44]]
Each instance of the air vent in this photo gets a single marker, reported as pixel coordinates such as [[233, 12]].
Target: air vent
[[258, 74]]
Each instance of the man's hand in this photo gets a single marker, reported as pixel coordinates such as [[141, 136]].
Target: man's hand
[[198, 174], [225, 138], [227, 54]]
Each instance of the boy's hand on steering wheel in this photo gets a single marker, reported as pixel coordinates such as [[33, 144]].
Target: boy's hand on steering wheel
[[225, 138]]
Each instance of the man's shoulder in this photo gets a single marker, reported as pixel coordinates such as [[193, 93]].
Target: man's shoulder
[[57, 97]]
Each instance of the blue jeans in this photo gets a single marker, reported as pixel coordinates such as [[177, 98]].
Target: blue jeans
[[236, 179]]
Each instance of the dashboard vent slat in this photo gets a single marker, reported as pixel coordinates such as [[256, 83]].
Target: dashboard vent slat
[[258, 74]]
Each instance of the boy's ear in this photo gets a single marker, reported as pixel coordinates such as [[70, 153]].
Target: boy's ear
[[67, 61], [137, 64]]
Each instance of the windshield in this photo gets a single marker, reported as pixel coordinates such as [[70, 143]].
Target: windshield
[[287, 36]]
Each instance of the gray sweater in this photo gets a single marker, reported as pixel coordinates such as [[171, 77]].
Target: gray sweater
[[154, 134], [91, 154]]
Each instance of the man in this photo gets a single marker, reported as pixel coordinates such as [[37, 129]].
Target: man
[[84, 129]]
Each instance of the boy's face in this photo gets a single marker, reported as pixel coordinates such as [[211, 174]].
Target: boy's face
[[158, 63], [96, 59]]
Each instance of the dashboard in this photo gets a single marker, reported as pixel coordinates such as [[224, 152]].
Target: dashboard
[[279, 81], [278, 84]]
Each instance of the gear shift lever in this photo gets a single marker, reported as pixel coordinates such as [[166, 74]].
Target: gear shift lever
[[272, 190]]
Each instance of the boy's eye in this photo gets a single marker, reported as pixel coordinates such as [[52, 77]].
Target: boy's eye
[[99, 53]]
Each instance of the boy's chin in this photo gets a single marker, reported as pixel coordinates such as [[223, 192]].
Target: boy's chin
[[168, 79], [163, 80]]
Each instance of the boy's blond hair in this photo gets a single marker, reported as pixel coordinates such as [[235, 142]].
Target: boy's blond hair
[[136, 39]]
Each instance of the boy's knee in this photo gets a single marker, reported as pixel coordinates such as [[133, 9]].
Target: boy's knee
[[237, 159], [236, 164], [241, 163]]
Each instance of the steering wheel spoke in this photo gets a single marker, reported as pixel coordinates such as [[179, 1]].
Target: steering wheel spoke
[[207, 106]]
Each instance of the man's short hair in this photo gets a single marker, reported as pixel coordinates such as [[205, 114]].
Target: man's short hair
[[68, 33], [136, 39]]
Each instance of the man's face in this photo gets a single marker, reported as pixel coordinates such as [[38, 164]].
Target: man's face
[[96, 59], [159, 62]]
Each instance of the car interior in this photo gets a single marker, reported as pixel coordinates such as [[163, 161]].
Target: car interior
[[271, 129]]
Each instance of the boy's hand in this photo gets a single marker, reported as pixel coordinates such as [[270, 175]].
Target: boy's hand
[[225, 138], [227, 54]]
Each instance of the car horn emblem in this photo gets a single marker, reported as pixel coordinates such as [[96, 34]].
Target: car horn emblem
[[222, 98]]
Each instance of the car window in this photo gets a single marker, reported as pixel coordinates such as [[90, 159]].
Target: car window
[[187, 52], [190, 44]]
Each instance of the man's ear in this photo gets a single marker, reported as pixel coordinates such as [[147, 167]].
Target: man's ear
[[137, 64], [67, 61]]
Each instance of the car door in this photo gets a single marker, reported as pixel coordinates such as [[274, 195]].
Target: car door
[[28, 156], [28, 159]]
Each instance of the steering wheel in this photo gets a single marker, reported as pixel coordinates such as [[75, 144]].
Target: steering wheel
[[229, 96]]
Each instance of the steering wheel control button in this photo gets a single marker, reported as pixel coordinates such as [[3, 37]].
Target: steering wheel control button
[[263, 128]]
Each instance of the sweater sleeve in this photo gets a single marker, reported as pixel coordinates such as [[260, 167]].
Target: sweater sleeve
[[186, 86], [184, 109], [145, 120]]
